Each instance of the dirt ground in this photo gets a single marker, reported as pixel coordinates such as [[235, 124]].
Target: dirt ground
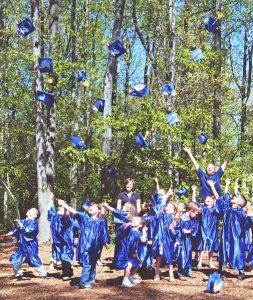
[[108, 283]]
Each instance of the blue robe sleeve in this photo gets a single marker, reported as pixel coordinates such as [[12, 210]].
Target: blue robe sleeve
[[224, 203], [51, 212], [120, 216]]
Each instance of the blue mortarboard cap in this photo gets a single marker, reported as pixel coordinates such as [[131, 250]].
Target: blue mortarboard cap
[[112, 172], [202, 138], [80, 75], [86, 203], [99, 105], [77, 142], [172, 118], [182, 192], [140, 90], [196, 54], [210, 24], [215, 283], [47, 98], [168, 89], [26, 27], [46, 65], [117, 48], [140, 140]]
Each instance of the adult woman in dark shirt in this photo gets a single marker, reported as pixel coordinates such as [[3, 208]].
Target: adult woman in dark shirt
[[129, 195]]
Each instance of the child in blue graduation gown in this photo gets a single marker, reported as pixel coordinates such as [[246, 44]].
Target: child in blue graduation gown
[[62, 227], [120, 217], [249, 239], [92, 237], [184, 230], [210, 174], [26, 232], [131, 236], [209, 226], [164, 240], [232, 248]]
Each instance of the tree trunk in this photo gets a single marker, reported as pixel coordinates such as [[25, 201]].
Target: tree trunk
[[110, 76], [217, 76], [51, 124], [44, 229]]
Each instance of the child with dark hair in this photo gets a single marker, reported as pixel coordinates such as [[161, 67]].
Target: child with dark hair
[[26, 231], [164, 240], [184, 230], [209, 226], [62, 227], [92, 237], [236, 222]]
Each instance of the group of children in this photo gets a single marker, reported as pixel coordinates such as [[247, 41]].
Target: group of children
[[163, 232]]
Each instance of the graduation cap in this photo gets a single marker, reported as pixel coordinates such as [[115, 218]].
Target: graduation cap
[[172, 118], [86, 204], [45, 65], [140, 141], [202, 138], [47, 98], [77, 142], [112, 172], [116, 49], [168, 89], [215, 283], [26, 27], [99, 105], [80, 75], [196, 54], [210, 24], [182, 192], [140, 90]]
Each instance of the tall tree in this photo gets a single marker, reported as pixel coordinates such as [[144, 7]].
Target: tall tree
[[111, 73]]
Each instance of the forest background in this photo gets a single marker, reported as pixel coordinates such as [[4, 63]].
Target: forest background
[[213, 95]]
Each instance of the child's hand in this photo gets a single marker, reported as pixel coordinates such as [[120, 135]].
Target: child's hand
[[144, 229], [228, 181], [61, 202], [210, 182], [187, 150], [194, 188], [51, 197], [170, 192], [156, 179], [105, 205]]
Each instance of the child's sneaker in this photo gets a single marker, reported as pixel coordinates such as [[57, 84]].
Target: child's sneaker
[[134, 280], [43, 275], [126, 283], [86, 286]]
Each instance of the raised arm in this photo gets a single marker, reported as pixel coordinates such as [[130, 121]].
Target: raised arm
[[138, 205], [169, 194], [50, 201], [236, 191], [228, 181], [194, 193], [228, 159], [213, 189], [67, 207], [189, 152], [157, 186], [119, 204], [105, 205]]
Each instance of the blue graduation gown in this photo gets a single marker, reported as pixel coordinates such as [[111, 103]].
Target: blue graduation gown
[[209, 228], [130, 239], [184, 251], [145, 249], [164, 239], [197, 243], [28, 245], [232, 247], [93, 235], [63, 229]]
